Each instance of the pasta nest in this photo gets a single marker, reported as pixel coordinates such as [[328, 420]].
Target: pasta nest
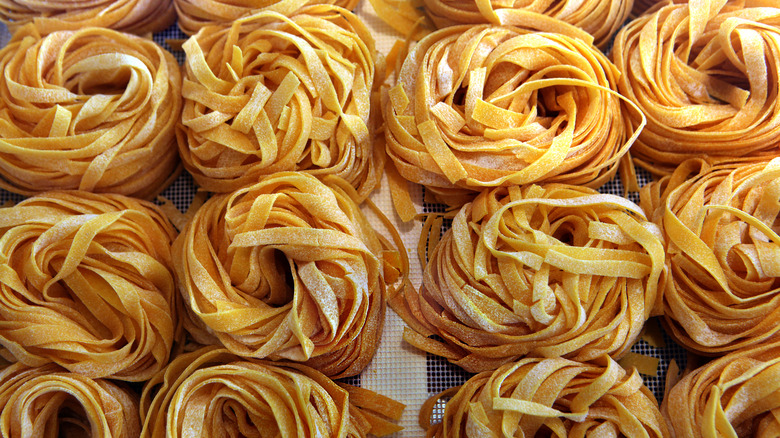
[[482, 106], [86, 282], [550, 271], [194, 15], [735, 395], [288, 268], [47, 401], [721, 225], [134, 16], [705, 76], [272, 93], [92, 109], [550, 397], [211, 392], [601, 20]]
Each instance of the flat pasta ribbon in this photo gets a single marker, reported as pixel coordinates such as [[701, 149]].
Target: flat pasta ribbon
[[288, 268], [86, 281], [733, 396], [721, 225], [210, 392], [134, 16], [272, 93], [92, 109], [552, 271], [598, 21], [194, 14], [48, 401], [484, 106], [705, 76], [549, 397]]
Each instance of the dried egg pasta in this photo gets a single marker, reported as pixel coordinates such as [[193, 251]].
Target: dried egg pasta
[[288, 268], [86, 282], [705, 75], [49, 402], [550, 397], [733, 396], [195, 14], [134, 16], [92, 109], [211, 392], [721, 225], [482, 106], [599, 20], [552, 271], [272, 93]]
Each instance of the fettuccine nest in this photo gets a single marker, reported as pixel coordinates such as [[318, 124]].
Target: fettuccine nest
[[86, 282], [134, 16], [550, 397], [484, 106], [272, 93], [552, 271], [705, 75], [733, 396], [194, 14], [211, 392], [48, 401], [92, 109], [600, 19], [288, 268], [721, 225]]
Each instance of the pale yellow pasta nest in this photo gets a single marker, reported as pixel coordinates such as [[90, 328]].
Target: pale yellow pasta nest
[[548, 271], [272, 93], [600, 19], [48, 401], [733, 396], [484, 106], [92, 109], [550, 397], [195, 14], [210, 393], [86, 282], [288, 268], [134, 16], [721, 225], [705, 75]]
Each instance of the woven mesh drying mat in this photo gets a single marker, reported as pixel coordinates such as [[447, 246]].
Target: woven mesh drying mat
[[398, 370]]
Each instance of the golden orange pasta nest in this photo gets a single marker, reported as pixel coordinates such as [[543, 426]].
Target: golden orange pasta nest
[[272, 93], [134, 16], [288, 268], [705, 75], [195, 14], [47, 401], [484, 106], [721, 225], [735, 395], [92, 109], [86, 282], [211, 392], [548, 271], [600, 19], [550, 397]]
